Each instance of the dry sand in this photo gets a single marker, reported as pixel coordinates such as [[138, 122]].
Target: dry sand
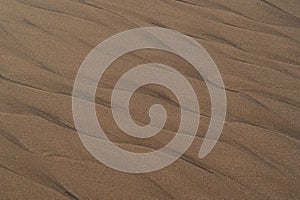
[[256, 45]]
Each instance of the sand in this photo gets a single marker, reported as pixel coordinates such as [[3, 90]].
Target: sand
[[256, 46]]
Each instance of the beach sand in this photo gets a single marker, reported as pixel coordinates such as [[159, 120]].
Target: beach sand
[[256, 46]]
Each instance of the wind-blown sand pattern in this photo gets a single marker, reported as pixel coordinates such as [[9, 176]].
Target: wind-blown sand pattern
[[256, 46]]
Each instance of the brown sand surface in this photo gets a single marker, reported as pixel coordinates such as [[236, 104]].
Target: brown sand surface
[[256, 46]]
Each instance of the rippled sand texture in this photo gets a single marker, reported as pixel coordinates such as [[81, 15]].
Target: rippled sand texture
[[255, 44]]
